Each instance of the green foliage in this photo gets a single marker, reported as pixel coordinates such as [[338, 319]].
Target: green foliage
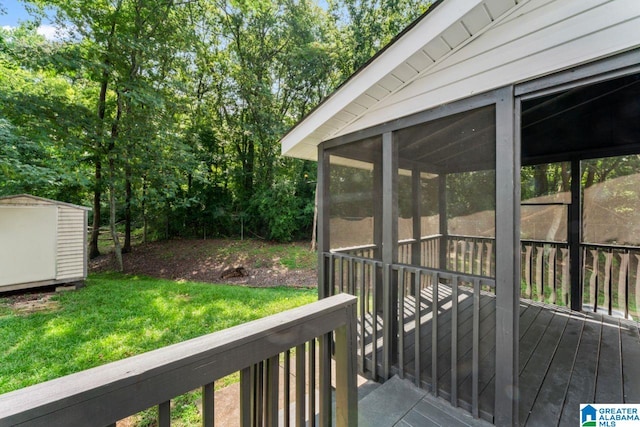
[[176, 109], [118, 316], [369, 25]]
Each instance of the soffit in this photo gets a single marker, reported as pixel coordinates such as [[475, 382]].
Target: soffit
[[443, 31]]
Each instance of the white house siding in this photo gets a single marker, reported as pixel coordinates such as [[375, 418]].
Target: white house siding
[[71, 245], [537, 38]]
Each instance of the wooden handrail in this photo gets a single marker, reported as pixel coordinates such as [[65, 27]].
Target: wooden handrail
[[105, 394]]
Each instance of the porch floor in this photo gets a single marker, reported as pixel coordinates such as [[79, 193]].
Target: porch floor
[[566, 357]]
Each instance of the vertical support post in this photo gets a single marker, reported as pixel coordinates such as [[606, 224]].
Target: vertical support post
[[346, 386], [323, 223], [442, 217], [378, 195], [389, 250], [575, 236], [507, 262], [208, 405], [416, 194]]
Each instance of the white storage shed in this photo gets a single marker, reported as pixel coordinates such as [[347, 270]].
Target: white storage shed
[[42, 242]]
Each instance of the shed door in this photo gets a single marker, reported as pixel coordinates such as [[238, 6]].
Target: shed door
[[27, 244]]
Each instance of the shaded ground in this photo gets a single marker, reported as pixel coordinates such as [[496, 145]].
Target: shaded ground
[[263, 264]]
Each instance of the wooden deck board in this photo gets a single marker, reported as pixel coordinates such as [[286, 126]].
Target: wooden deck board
[[566, 358], [630, 340], [535, 370], [582, 385], [547, 407], [609, 376]]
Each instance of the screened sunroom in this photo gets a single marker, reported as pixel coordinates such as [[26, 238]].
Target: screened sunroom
[[479, 189]]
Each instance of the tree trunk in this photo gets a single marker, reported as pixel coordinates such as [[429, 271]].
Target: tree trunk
[[95, 226], [112, 220], [112, 177], [127, 210], [566, 176], [541, 181], [97, 192], [591, 175]]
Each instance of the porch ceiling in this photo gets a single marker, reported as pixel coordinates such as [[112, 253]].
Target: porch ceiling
[[586, 122]]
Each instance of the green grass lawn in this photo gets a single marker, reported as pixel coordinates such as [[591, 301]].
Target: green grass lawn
[[117, 316]]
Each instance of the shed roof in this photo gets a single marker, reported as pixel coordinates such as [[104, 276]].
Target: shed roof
[[19, 199], [463, 47]]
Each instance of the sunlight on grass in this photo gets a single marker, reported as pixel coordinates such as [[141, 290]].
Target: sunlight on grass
[[117, 316]]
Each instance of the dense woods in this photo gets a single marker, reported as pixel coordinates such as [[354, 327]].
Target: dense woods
[[165, 116]]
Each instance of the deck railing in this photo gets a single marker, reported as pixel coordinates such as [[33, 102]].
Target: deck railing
[[610, 273], [464, 254], [545, 271], [395, 305], [103, 395]]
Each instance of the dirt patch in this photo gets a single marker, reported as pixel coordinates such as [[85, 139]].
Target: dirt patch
[[31, 303], [209, 260]]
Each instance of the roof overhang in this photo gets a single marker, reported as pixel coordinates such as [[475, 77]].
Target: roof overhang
[[443, 29], [461, 48]]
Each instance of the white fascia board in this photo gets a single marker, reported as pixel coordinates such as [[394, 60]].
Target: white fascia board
[[415, 39]]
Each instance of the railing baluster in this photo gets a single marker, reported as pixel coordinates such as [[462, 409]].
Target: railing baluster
[[623, 283], [164, 414], [637, 287], [401, 293], [287, 388], [259, 393], [552, 274], [324, 378], [566, 292], [351, 282], [475, 363], [312, 383], [490, 258], [416, 329], [272, 374], [454, 341], [332, 275], [527, 270], [608, 258], [434, 335], [300, 386], [341, 274], [208, 405], [593, 281], [246, 407], [540, 273]]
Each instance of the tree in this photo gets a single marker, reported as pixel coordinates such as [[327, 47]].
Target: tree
[[44, 118]]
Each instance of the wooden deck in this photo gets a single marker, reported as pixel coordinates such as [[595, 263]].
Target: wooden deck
[[566, 358]]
